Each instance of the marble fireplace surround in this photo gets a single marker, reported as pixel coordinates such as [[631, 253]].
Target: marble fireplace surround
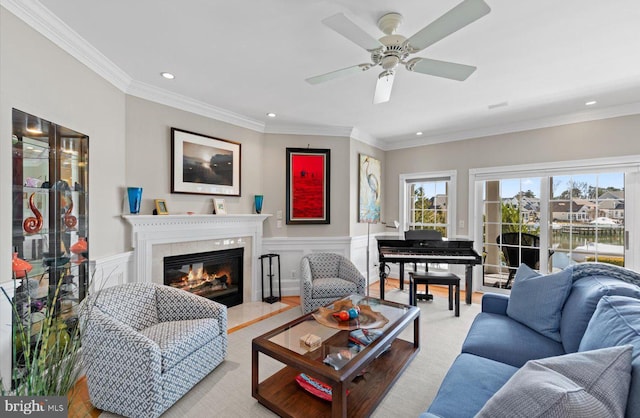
[[154, 237]]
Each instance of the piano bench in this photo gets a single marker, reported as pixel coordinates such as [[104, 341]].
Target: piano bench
[[441, 278]]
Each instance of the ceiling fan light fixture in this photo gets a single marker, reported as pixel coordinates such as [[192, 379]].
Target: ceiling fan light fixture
[[167, 75], [389, 62], [590, 103], [271, 115], [419, 133]]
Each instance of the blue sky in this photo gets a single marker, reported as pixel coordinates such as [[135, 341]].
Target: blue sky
[[511, 187]]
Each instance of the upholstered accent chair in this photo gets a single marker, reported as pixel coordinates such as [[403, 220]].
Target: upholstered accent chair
[[326, 277], [145, 345]]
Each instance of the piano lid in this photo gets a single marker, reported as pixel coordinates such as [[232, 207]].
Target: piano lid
[[417, 243]]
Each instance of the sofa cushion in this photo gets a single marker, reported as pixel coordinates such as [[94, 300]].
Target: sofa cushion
[[472, 377], [537, 301], [616, 321], [332, 287], [582, 302], [178, 339], [500, 338], [586, 384]]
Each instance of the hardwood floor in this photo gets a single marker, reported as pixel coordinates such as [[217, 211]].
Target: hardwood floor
[[439, 291], [80, 405]]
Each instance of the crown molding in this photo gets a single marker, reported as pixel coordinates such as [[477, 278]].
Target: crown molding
[[34, 14], [368, 139], [178, 101], [297, 129], [41, 19], [528, 125]]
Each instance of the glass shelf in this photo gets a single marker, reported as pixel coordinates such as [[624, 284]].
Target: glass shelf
[[48, 221]]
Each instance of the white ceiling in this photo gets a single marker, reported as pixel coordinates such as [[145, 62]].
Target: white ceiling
[[243, 58]]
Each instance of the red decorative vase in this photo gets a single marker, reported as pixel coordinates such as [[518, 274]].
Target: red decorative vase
[[20, 267], [80, 246]]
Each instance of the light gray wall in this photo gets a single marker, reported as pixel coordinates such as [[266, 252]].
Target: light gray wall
[[148, 157], [596, 139], [356, 228], [263, 171], [275, 184], [39, 78]]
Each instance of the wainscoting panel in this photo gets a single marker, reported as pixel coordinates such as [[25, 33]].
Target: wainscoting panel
[[291, 250], [112, 270]]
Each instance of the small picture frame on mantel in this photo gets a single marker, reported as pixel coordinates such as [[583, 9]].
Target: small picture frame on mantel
[[161, 207], [219, 207]]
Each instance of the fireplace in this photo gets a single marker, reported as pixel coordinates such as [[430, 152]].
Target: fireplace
[[215, 275]]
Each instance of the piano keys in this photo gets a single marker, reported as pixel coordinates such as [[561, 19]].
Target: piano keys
[[427, 251]]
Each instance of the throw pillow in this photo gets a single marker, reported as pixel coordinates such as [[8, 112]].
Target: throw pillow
[[577, 385], [536, 300], [616, 321]]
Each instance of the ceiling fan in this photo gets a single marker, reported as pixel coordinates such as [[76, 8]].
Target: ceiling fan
[[392, 49]]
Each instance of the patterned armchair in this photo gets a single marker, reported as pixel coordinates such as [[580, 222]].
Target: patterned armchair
[[145, 345], [325, 277]]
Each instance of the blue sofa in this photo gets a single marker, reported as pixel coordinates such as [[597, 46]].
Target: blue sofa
[[596, 306]]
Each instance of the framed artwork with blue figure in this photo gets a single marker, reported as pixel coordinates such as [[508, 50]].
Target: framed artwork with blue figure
[[369, 190]]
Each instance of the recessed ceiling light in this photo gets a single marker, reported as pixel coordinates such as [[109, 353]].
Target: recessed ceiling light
[[168, 76], [419, 133], [271, 115], [590, 103]]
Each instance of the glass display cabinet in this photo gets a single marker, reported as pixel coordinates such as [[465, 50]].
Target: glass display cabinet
[[50, 223]]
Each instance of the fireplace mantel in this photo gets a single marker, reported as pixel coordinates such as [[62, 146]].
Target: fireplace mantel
[[150, 230]]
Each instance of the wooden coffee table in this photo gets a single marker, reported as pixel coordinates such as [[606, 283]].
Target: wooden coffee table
[[382, 362]]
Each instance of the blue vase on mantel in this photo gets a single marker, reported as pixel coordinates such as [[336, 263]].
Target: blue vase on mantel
[[258, 202], [135, 198]]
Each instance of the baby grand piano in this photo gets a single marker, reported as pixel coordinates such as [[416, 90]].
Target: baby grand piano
[[429, 249]]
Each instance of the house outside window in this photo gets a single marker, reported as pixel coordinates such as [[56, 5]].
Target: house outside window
[[428, 201], [559, 217]]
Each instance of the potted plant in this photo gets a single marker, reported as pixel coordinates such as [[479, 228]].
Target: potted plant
[[46, 346]]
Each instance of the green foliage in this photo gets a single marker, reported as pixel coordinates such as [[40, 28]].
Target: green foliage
[[425, 212], [511, 221], [47, 352]]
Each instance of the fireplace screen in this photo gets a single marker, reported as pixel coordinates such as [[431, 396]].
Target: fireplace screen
[[215, 275]]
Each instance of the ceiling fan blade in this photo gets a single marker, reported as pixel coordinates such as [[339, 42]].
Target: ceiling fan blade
[[338, 73], [443, 69], [383, 87], [345, 27], [455, 19]]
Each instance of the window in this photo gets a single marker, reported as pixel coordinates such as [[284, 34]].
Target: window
[[588, 218], [551, 216], [428, 201]]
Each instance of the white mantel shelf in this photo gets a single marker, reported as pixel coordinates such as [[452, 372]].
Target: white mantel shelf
[[150, 230], [154, 223]]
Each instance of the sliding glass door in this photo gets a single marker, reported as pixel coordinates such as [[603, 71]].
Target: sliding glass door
[[549, 219]]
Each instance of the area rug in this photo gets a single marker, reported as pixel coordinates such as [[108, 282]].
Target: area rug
[[226, 392]]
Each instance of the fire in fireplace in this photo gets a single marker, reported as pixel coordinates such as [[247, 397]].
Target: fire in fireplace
[[215, 275]]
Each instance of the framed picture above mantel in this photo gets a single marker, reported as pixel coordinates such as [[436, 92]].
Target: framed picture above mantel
[[202, 164], [308, 192]]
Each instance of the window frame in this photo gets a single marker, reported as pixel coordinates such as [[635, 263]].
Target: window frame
[[404, 203], [629, 165]]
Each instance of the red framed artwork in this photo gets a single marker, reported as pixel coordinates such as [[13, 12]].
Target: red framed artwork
[[308, 185]]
